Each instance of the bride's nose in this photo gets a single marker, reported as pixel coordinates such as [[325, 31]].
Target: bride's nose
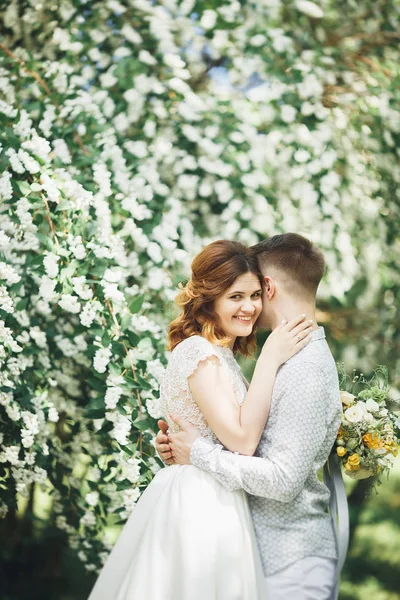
[[248, 306]]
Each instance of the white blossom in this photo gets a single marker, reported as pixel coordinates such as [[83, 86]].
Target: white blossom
[[61, 151], [131, 469], [88, 313], [131, 496], [101, 359], [112, 396], [77, 247], [208, 19], [5, 186], [309, 8], [92, 498], [8, 273], [38, 336], [288, 113], [82, 288], [10, 454], [28, 162], [70, 303], [50, 263], [53, 414], [4, 240], [47, 288], [6, 302], [121, 430], [88, 520], [38, 146], [111, 292]]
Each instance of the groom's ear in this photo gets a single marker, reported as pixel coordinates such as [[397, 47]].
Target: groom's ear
[[270, 288]]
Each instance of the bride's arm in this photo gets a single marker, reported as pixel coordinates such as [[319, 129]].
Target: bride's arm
[[239, 428]]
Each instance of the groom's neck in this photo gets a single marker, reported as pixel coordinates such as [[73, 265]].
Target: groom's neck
[[289, 308]]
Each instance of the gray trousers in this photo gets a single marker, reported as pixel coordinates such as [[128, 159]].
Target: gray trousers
[[311, 578]]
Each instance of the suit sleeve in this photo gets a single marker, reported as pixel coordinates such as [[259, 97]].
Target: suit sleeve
[[299, 434]]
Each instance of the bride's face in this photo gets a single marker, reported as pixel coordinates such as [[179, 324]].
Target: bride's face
[[239, 306]]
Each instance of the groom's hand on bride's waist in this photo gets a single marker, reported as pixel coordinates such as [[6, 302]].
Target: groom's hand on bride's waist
[[181, 442], [162, 444]]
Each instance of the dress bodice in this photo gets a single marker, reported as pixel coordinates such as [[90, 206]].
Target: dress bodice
[[175, 395]]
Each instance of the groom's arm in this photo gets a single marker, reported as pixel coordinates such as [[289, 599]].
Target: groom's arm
[[300, 432]]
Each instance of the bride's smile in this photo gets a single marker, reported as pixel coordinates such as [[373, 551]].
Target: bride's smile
[[239, 307]]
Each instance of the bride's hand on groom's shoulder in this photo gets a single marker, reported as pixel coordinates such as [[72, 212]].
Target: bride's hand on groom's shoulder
[[287, 339], [162, 444]]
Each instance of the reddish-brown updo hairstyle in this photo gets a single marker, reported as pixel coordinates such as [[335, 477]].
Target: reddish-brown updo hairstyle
[[214, 270]]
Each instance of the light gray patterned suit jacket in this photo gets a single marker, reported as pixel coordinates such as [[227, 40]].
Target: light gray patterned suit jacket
[[288, 502]]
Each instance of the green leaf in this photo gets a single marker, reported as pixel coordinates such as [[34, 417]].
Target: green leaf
[[114, 369], [136, 304], [127, 450], [142, 424], [143, 383], [95, 414], [96, 384], [105, 340], [64, 205], [69, 271], [22, 304], [124, 485], [133, 338], [23, 187], [95, 404]]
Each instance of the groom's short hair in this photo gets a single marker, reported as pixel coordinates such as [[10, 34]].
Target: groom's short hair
[[296, 258]]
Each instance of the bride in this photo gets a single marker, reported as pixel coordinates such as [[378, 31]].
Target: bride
[[189, 538]]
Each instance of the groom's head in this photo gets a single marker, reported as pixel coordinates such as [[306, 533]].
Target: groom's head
[[292, 267]]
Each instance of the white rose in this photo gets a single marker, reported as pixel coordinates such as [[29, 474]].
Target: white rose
[[371, 405], [347, 398], [369, 418], [355, 413]]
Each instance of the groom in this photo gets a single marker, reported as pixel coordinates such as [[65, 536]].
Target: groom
[[288, 503]]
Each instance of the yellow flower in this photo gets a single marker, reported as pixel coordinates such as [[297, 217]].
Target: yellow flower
[[347, 398], [341, 451], [392, 447], [353, 462], [339, 433], [371, 440]]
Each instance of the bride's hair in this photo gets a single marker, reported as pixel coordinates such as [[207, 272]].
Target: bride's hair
[[214, 270]]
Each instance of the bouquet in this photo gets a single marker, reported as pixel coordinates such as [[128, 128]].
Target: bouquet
[[367, 440]]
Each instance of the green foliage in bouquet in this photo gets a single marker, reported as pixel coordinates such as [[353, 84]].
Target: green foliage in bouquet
[[367, 440]]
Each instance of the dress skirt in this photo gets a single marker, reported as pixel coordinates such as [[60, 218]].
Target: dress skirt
[[188, 538]]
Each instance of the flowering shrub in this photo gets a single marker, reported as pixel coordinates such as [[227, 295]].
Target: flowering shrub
[[133, 133], [366, 443]]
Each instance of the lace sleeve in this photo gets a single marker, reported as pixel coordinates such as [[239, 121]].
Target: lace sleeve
[[189, 354], [175, 393]]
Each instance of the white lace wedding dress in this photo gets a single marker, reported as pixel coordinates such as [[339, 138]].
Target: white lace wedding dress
[[188, 538]]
